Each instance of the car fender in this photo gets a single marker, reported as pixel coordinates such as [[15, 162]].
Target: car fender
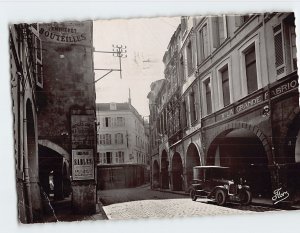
[[213, 192], [195, 186]]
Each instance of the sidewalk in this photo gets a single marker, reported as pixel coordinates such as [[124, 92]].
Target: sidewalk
[[61, 211], [255, 201]]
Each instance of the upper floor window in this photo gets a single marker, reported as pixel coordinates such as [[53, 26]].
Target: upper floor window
[[208, 96], [184, 114], [193, 106], [189, 55], [119, 157], [107, 122], [181, 69], [225, 86], [119, 138], [251, 71], [120, 121], [203, 43], [219, 30]]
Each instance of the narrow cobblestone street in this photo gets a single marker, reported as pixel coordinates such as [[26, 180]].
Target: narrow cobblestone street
[[142, 202]]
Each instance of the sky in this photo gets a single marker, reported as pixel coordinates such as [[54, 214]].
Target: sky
[[146, 40]]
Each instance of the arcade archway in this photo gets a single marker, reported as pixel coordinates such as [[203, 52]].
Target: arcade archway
[[164, 170], [192, 160], [177, 172], [155, 174], [54, 173], [31, 168], [244, 152]]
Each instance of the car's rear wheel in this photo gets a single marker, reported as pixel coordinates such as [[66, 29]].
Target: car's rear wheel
[[246, 197], [220, 197], [193, 194]]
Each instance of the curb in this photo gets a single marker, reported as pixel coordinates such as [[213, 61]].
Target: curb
[[252, 203]]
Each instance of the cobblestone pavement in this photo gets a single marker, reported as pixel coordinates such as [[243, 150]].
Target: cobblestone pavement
[[142, 202]]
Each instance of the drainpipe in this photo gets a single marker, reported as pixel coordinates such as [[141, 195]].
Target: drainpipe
[[25, 160], [269, 101]]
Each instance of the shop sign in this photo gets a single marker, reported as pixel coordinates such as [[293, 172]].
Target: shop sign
[[249, 104], [82, 164], [283, 88], [67, 32], [83, 131]]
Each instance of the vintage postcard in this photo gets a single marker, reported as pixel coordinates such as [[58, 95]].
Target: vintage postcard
[[160, 117]]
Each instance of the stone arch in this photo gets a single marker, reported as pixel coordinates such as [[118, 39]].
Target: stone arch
[[225, 129], [164, 166], [245, 149], [192, 159], [177, 172], [53, 146], [155, 174], [289, 135]]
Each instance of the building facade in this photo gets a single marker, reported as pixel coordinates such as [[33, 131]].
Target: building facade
[[67, 113], [235, 102], [53, 94], [122, 139], [24, 83]]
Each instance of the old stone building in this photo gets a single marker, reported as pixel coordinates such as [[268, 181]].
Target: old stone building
[[122, 146], [25, 78], [237, 102], [53, 95], [66, 116]]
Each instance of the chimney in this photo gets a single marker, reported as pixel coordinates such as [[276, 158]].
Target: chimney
[[129, 98]]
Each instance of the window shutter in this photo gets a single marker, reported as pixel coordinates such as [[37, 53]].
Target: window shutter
[[279, 53]]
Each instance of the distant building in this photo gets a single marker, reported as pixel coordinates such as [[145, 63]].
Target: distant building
[[121, 139]]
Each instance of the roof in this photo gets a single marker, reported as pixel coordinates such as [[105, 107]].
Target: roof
[[106, 106]]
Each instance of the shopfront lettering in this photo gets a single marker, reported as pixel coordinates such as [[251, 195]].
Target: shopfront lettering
[[225, 115], [69, 38], [249, 103], [283, 88]]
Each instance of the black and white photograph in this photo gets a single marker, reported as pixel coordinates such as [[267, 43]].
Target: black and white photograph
[[166, 117]]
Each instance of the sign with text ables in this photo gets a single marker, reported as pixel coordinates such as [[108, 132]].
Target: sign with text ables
[[67, 32], [82, 164]]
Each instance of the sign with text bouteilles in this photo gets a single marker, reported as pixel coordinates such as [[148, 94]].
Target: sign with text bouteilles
[[67, 32]]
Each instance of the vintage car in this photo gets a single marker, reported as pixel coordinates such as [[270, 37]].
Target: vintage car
[[215, 182]]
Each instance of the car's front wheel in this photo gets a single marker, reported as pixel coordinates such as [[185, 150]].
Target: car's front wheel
[[193, 194], [220, 197], [245, 197]]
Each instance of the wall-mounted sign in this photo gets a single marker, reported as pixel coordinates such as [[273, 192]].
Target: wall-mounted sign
[[249, 103], [67, 32], [82, 164], [83, 131]]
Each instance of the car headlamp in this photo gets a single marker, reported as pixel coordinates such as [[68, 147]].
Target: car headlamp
[[226, 186], [239, 186]]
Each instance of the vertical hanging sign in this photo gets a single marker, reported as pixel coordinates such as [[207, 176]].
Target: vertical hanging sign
[[83, 141]]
